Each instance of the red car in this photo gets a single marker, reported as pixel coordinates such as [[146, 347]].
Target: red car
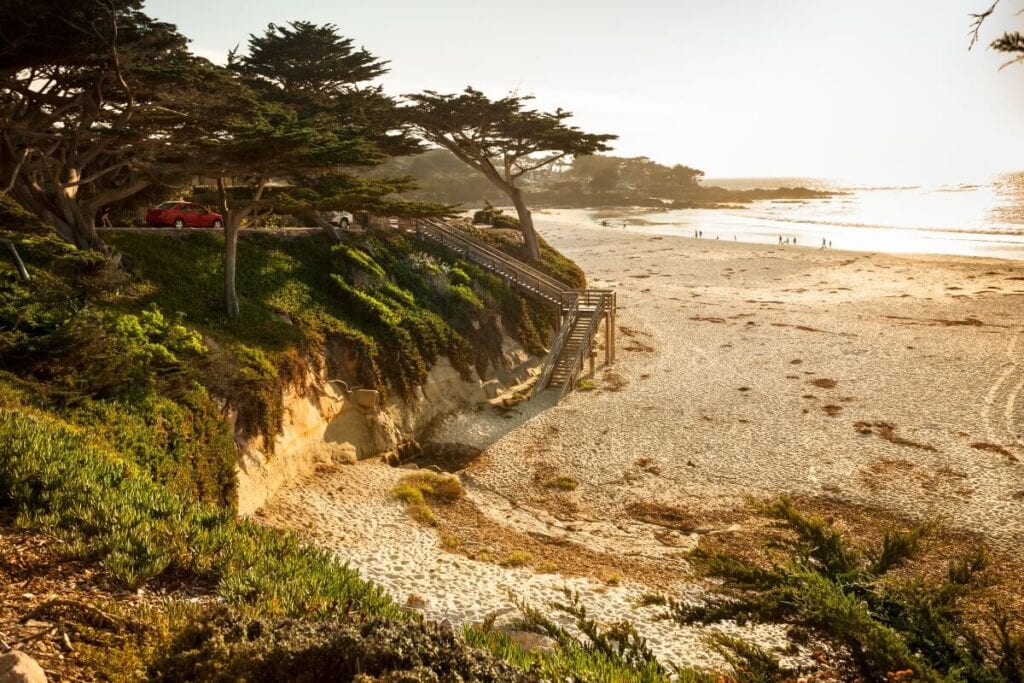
[[181, 214]]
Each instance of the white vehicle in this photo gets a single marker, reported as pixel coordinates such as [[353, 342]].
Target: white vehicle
[[340, 219]]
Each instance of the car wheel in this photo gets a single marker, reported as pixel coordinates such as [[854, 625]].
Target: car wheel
[[344, 224], [178, 223], [218, 224]]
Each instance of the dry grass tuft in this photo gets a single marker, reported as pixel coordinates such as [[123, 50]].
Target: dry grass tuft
[[427, 485], [832, 410], [562, 482], [422, 513], [823, 383], [516, 558], [417, 488]]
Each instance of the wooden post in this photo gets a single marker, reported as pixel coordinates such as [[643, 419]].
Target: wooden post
[[608, 358]]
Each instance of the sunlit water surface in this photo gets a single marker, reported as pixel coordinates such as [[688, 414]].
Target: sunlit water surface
[[985, 219]]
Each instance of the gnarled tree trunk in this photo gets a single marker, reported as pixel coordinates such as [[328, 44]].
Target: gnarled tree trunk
[[232, 224], [525, 223]]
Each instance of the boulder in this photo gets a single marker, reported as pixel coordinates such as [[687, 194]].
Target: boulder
[[366, 398], [18, 667]]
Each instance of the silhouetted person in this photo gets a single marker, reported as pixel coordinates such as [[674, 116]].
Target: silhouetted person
[[105, 217], [822, 242]]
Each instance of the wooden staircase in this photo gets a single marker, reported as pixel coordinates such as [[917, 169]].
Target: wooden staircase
[[580, 311]]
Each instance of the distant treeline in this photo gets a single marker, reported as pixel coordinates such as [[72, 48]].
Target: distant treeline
[[592, 181]]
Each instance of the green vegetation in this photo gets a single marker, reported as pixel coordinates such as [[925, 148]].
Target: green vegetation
[[551, 261], [886, 625], [599, 180], [502, 140], [562, 482], [225, 646], [516, 558], [389, 307], [588, 653], [60, 478], [496, 218], [419, 489]]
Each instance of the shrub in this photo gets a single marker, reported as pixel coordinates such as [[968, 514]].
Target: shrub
[[440, 488], [62, 480], [224, 645], [516, 558], [844, 596], [494, 217]]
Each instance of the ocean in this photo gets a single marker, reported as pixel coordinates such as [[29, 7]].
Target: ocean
[[968, 219]]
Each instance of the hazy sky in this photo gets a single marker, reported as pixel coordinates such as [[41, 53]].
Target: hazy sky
[[872, 90]]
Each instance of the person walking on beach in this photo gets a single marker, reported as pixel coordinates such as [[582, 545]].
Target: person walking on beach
[[822, 242], [780, 239]]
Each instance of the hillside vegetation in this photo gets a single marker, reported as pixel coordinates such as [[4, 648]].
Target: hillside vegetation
[[116, 376]]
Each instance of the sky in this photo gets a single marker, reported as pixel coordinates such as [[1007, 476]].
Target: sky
[[858, 90]]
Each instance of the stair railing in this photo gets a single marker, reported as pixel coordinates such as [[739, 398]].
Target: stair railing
[[518, 274], [551, 359], [577, 363], [522, 276]]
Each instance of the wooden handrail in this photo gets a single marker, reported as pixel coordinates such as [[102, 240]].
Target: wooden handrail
[[555, 351], [577, 363], [527, 279]]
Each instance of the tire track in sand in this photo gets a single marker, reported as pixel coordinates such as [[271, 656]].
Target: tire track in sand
[[1003, 399]]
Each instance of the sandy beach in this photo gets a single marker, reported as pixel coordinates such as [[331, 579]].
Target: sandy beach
[[892, 383]]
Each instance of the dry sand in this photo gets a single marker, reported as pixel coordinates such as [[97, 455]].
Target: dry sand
[[893, 382]]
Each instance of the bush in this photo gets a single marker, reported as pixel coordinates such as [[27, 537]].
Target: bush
[[13, 217], [844, 596], [227, 646], [439, 488], [494, 217], [64, 481]]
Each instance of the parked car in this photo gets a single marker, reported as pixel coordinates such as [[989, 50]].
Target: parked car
[[341, 219], [182, 214]]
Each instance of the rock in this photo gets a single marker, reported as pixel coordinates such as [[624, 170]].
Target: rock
[[18, 667], [365, 398], [532, 641]]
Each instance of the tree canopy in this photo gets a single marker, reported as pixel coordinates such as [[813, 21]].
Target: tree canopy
[[90, 113], [501, 139]]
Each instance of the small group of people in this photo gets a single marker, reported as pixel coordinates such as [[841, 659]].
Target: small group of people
[[825, 243]]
